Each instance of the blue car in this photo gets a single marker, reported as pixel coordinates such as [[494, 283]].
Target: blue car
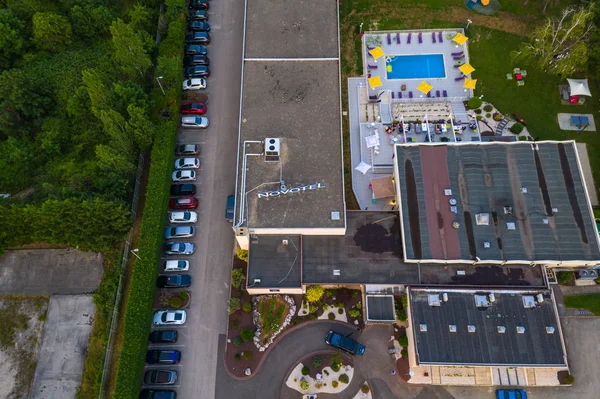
[[346, 344], [229, 209], [511, 394], [158, 356]]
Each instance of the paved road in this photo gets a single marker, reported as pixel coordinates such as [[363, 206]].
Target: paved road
[[211, 264]]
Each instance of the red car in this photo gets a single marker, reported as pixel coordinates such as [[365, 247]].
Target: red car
[[194, 108], [183, 203]]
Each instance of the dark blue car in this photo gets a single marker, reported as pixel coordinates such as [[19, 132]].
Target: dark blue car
[[346, 344], [511, 394], [229, 208], [159, 356]]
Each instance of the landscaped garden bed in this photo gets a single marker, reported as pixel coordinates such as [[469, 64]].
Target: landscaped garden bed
[[328, 372], [272, 313], [340, 304], [173, 300]]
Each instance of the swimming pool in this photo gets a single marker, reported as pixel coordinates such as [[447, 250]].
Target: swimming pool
[[420, 66]]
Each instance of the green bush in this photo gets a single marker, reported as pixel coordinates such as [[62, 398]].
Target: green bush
[[247, 306], [237, 277], [304, 385], [498, 117], [516, 128], [354, 313], [522, 138], [478, 111], [330, 293], [403, 341], [359, 305], [488, 108], [335, 367], [314, 293], [479, 117], [488, 115], [247, 355], [305, 370], [365, 388], [569, 379], [234, 325], [474, 102], [404, 301], [237, 341], [317, 361], [340, 310], [335, 384], [565, 278], [404, 353], [344, 378], [237, 356], [355, 293], [331, 316], [242, 254], [401, 314], [234, 305], [175, 302], [247, 334]]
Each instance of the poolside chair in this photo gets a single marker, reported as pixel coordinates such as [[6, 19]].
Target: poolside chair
[[410, 94], [370, 48], [372, 66], [523, 73], [389, 39], [517, 70], [456, 54], [397, 38], [433, 37], [399, 94], [440, 37], [429, 94], [393, 96], [420, 37], [445, 93], [458, 57], [408, 39], [459, 78], [520, 83], [437, 93], [509, 76], [457, 66]]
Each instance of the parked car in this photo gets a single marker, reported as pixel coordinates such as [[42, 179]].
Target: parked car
[[183, 203], [158, 394], [199, 26], [187, 149], [194, 84], [163, 337], [174, 281], [199, 122], [195, 49], [200, 15], [179, 248], [180, 232], [193, 108], [160, 356], [187, 163], [176, 265], [169, 317], [183, 189], [197, 71], [199, 5], [196, 60], [160, 377], [197, 38], [183, 217], [511, 394], [230, 208], [183, 175], [346, 344]]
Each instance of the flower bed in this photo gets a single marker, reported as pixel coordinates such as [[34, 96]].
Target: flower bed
[[326, 373], [272, 313], [333, 300], [173, 300]]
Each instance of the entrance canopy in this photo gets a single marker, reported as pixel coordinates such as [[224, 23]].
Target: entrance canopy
[[579, 87], [383, 187]]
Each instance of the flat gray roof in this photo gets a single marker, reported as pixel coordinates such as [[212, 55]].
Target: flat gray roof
[[275, 260], [299, 103], [291, 29], [514, 201], [486, 345], [381, 308]]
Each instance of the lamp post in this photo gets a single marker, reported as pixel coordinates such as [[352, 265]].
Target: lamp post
[[134, 252], [469, 22], [158, 78], [360, 31]]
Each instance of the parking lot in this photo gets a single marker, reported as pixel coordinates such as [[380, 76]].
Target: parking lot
[[210, 265]]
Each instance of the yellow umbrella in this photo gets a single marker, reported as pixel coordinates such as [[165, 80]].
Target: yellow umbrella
[[375, 81], [377, 52], [466, 68], [470, 83], [425, 87], [459, 38]]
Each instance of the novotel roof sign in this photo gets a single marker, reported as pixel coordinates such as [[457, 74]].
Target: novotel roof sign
[[291, 190]]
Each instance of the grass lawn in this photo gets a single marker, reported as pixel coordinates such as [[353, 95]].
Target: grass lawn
[[590, 302]]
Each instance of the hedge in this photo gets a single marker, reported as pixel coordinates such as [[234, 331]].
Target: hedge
[[138, 309]]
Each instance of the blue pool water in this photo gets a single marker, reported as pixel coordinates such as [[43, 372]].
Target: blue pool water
[[420, 66]]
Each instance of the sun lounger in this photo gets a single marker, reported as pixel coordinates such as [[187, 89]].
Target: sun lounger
[[410, 94], [459, 78], [420, 37], [393, 95], [457, 66], [437, 93], [459, 53], [408, 39], [389, 39], [440, 37], [458, 57], [397, 38], [370, 48], [445, 93], [372, 66], [429, 94], [399, 94], [433, 36]]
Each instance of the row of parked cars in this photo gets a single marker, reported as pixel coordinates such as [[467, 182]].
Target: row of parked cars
[[182, 216]]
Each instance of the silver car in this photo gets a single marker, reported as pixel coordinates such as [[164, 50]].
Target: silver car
[[187, 163], [183, 217], [184, 175], [180, 232], [179, 248], [194, 122], [194, 84], [177, 265]]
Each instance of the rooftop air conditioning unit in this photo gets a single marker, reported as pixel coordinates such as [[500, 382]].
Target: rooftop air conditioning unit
[[528, 301], [272, 150], [433, 299], [481, 301], [482, 219]]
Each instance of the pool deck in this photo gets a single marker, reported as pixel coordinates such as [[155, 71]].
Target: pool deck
[[454, 89]]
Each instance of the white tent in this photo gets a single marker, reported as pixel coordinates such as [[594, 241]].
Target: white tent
[[363, 167], [579, 87]]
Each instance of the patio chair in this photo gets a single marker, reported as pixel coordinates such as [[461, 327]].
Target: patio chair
[[370, 48], [393, 95], [429, 94], [433, 37], [509, 76], [399, 94], [410, 95], [420, 37], [459, 78], [458, 57], [389, 39], [397, 38], [457, 54], [523, 73], [372, 66], [445, 93], [440, 37], [408, 39], [517, 70], [457, 66], [437, 93], [520, 83]]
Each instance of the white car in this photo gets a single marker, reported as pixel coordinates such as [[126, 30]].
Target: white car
[[183, 217], [177, 265], [194, 84], [194, 122], [184, 175], [169, 317], [187, 163]]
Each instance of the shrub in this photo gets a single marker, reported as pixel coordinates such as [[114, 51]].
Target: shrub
[[305, 370], [304, 385], [401, 314], [569, 379], [314, 293], [565, 278], [488, 108], [403, 341], [478, 111], [325, 307], [312, 309], [365, 388], [317, 361], [339, 304], [404, 353], [242, 254], [247, 355], [234, 305], [335, 384], [359, 305], [326, 372], [331, 316], [237, 341], [184, 295], [330, 293], [237, 277], [488, 115], [498, 117], [354, 294], [175, 302], [336, 358], [404, 301], [479, 117], [474, 102], [522, 138], [516, 128], [247, 334], [336, 367], [247, 306], [237, 356], [234, 325], [344, 378], [354, 313], [340, 310]]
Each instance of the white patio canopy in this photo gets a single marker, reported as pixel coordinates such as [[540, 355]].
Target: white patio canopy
[[579, 87]]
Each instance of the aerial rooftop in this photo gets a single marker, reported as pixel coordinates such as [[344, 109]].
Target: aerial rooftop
[[495, 202], [509, 328], [275, 261]]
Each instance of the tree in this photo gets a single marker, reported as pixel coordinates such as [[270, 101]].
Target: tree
[[560, 45], [314, 293], [140, 127], [12, 37], [91, 22], [97, 90], [170, 69], [140, 18], [51, 31], [129, 51], [237, 277]]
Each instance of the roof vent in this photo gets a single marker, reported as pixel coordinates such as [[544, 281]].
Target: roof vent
[[520, 330], [486, 244], [433, 299], [549, 330], [540, 298], [545, 220], [482, 219], [455, 225], [423, 327], [481, 301], [524, 190], [501, 329], [511, 226], [528, 301], [492, 297], [272, 150], [336, 272], [335, 215], [445, 297], [453, 209], [452, 328], [508, 210], [554, 210], [447, 192], [452, 201], [284, 242], [471, 328]]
